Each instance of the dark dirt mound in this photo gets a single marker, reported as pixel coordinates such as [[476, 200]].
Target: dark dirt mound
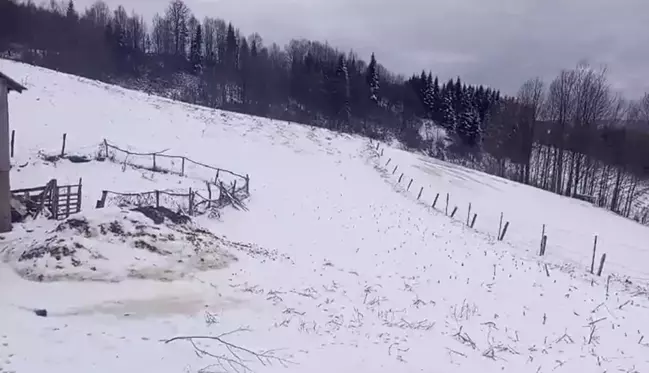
[[79, 225], [159, 214]]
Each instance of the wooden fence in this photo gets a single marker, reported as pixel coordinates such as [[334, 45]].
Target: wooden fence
[[191, 202], [61, 200], [176, 164]]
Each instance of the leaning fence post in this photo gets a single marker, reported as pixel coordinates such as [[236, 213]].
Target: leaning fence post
[[377, 145], [435, 201], [601, 265], [544, 244], [502, 235], [400, 177], [395, 169], [468, 214], [216, 178], [454, 211], [541, 244], [420, 191], [381, 152], [106, 147], [63, 146], [592, 263], [209, 194], [500, 226], [388, 162], [409, 184], [473, 220], [234, 187], [157, 198]]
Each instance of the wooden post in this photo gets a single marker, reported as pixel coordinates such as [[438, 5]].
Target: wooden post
[[592, 262], [13, 139], [473, 220], [106, 147], [500, 226], [468, 215], [435, 201], [420, 191], [544, 244], [454, 211], [377, 145], [502, 235], [102, 201], [216, 178], [409, 184], [381, 152], [79, 196], [55, 200], [67, 200], [182, 167], [154, 166], [209, 194], [446, 210], [388, 162], [234, 187], [541, 244], [63, 146], [395, 169], [400, 177], [157, 198], [247, 184], [601, 265], [191, 202]]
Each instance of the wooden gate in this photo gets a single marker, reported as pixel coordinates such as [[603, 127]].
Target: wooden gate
[[61, 200]]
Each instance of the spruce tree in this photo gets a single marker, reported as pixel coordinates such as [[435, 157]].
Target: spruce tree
[[195, 51], [372, 78]]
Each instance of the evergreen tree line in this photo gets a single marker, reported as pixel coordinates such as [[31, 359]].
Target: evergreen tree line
[[211, 63], [574, 137]]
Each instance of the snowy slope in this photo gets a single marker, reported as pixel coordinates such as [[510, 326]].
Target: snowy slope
[[352, 273]]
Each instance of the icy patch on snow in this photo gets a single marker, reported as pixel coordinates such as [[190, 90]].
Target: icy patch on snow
[[113, 245]]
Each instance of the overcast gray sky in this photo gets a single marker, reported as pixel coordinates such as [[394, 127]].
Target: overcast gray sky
[[500, 43]]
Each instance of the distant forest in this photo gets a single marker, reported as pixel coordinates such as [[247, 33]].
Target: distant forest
[[573, 136]]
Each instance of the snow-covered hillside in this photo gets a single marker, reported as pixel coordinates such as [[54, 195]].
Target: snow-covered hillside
[[337, 267]]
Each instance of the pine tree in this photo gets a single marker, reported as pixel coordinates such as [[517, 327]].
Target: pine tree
[[71, 13], [468, 122], [195, 51], [437, 101], [372, 79], [448, 116], [428, 95], [342, 88]]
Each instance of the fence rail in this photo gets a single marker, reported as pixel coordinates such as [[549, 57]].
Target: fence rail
[[155, 161]]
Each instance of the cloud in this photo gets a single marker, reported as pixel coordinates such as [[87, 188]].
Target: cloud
[[496, 42]]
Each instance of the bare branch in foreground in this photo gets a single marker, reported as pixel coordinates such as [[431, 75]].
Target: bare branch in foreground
[[235, 360]]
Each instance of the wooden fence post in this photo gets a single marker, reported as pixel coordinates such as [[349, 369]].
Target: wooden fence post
[[409, 184], [388, 162], [454, 211], [592, 263], [191, 202], [381, 152], [79, 194], [446, 210], [102, 201], [209, 194], [63, 146], [13, 139], [544, 244], [377, 145], [468, 214], [216, 178], [435, 201], [154, 166], [234, 187], [601, 265], [420, 191], [182, 167], [500, 226], [400, 177], [157, 198], [67, 200], [395, 169], [106, 147], [502, 235], [247, 184], [541, 243], [473, 220]]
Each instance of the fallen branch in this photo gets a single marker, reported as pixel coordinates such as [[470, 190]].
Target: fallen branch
[[233, 361]]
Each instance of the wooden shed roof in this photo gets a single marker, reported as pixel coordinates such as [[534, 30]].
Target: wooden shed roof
[[11, 84]]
